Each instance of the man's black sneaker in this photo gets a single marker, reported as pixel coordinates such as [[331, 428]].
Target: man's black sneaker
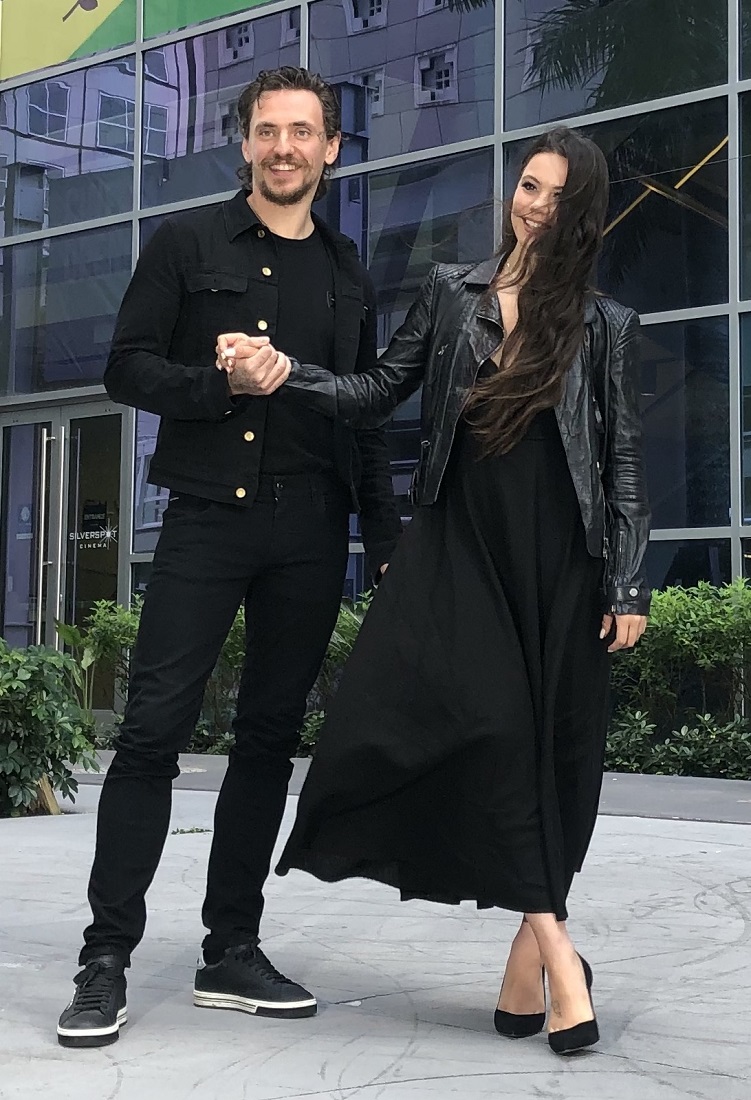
[[245, 979], [97, 1012]]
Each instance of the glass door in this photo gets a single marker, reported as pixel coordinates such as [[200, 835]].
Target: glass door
[[91, 520], [59, 518], [30, 485]]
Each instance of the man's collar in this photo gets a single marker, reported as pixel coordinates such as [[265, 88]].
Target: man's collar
[[239, 215]]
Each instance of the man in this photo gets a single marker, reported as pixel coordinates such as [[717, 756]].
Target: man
[[261, 491]]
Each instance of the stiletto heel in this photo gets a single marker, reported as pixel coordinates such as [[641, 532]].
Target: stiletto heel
[[580, 1036], [520, 1025]]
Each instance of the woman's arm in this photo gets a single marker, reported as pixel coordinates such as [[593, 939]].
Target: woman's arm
[[624, 481], [368, 398]]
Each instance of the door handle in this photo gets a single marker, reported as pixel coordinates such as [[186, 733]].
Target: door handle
[[42, 563]]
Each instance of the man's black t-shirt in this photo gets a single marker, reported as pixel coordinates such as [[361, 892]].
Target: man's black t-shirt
[[296, 439]]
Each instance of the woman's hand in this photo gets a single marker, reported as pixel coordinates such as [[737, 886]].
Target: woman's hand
[[628, 630]]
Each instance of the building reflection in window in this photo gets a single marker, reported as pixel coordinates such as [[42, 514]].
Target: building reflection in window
[[66, 148], [191, 88], [564, 57], [60, 298], [685, 563], [686, 416], [410, 74]]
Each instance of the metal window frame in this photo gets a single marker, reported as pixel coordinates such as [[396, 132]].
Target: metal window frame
[[734, 308]]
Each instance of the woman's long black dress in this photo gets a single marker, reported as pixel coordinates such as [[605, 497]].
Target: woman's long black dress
[[462, 756]]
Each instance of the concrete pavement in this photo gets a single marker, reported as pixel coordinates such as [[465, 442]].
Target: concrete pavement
[[662, 911]]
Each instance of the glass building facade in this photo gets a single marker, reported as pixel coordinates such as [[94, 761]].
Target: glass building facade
[[116, 113]]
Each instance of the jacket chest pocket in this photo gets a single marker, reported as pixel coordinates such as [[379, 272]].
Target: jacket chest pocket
[[218, 298]]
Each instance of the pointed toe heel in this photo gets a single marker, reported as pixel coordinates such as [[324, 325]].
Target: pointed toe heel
[[573, 1039], [515, 1025]]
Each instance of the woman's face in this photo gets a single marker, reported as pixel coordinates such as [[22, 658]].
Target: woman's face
[[535, 200]]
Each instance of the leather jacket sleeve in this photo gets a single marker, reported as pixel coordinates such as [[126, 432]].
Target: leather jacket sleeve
[[624, 482], [368, 399], [380, 522]]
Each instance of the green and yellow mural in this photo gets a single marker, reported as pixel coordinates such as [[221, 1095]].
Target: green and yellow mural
[[35, 34], [162, 16]]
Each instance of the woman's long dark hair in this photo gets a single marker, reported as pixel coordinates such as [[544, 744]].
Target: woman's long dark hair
[[555, 274]]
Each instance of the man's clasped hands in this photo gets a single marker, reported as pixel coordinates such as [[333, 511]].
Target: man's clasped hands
[[251, 363]]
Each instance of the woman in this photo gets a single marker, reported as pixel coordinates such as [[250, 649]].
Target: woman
[[462, 757]]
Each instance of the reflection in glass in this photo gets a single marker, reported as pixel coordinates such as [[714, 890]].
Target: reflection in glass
[[746, 413], [410, 75], [745, 250], [24, 533], [685, 563], [405, 220], [149, 501], [566, 57], [162, 16], [685, 406], [93, 520], [666, 244], [60, 298], [745, 59], [191, 88], [66, 148]]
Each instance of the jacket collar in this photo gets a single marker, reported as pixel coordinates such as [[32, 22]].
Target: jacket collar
[[239, 217], [485, 272]]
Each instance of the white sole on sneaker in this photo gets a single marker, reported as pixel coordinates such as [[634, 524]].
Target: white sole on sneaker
[[245, 1004], [94, 1032]]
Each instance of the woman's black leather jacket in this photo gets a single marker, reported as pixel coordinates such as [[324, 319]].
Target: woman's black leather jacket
[[452, 328]]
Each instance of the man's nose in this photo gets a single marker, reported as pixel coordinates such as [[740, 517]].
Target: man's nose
[[282, 145]]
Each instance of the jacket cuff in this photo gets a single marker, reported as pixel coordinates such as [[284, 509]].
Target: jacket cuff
[[376, 556], [628, 599]]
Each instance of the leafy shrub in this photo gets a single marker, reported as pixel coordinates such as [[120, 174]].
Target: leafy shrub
[[706, 747], [108, 635], [692, 660], [42, 727]]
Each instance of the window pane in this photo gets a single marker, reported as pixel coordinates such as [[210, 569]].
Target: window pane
[[684, 564], [564, 58], [666, 244], [65, 163], [405, 220], [149, 502], [191, 139], [746, 190], [406, 80], [161, 16], [746, 413], [685, 405], [60, 298], [745, 10]]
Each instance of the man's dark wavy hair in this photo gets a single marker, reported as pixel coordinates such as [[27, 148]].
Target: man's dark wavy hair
[[556, 274], [289, 79]]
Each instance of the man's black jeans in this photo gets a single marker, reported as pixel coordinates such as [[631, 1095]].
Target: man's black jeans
[[285, 558]]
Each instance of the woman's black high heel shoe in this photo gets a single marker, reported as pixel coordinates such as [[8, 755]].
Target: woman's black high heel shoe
[[515, 1025], [575, 1038]]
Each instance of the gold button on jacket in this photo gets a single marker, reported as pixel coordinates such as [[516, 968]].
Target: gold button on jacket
[[239, 493]]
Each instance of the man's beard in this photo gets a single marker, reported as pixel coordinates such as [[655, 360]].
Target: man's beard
[[286, 198]]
